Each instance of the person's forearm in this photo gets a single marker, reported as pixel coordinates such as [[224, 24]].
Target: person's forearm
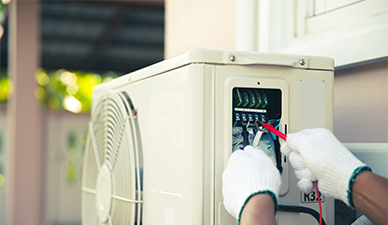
[[260, 210], [370, 196]]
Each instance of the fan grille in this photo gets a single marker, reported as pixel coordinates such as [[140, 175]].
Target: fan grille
[[114, 145]]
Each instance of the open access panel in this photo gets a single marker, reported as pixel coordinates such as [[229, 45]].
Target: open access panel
[[290, 99]]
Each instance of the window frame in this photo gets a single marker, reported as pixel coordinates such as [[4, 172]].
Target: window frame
[[362, 36]]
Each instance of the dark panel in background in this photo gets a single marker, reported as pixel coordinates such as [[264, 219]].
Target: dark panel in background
[[98, 36]]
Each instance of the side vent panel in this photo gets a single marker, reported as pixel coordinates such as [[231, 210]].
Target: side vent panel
[[113, 162]]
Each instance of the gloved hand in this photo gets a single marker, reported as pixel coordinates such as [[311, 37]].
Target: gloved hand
[[249, 172], [316, 154]]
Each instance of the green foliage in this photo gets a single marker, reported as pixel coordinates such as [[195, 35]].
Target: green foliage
[[69, 90], [60, 89], [6, 89]]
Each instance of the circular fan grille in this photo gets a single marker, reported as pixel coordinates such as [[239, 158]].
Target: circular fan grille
[[111, 179]]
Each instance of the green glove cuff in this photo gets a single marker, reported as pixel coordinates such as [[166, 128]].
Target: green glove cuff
[[275, 200], [352, 180]]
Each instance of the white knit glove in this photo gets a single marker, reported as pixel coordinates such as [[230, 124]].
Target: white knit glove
[[316, 154], [249, 172]]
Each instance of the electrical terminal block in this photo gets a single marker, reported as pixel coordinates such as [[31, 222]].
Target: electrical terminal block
[[237, 116], [257, 117], [250, 118], [250, 115], [244, 117]]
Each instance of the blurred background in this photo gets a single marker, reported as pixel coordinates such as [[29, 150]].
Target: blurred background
[[52, 53]]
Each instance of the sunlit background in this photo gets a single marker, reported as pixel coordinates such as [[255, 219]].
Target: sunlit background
[[82, 44], [60, 89], [68, 90]]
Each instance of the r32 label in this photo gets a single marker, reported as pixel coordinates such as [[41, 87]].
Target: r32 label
[[311, 197]]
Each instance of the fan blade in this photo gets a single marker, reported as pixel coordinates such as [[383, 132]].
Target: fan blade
[[119, 143], [90, 167], [93, 139]]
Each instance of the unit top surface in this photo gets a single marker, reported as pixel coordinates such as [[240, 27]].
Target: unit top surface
[[220, 57]]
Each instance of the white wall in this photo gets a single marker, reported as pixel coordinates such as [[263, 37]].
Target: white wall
[[361, 104], [199, 24]]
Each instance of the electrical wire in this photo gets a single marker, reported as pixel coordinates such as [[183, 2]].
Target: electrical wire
[[245, 135], [273, 122], [302, 209], [319, 202], [257, 138], [237, 144], [257, 126], [271, 129], [262, 129]]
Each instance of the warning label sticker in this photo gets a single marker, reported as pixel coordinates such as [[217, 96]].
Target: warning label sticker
[[311, 197]]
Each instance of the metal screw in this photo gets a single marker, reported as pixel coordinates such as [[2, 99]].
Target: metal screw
[[233, 58], [258, 83], [302, 62], [268, 146]]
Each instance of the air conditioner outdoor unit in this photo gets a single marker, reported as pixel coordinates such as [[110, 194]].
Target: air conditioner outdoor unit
[[159, 138]]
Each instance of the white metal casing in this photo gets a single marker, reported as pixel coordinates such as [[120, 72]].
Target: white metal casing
[[184, 114]]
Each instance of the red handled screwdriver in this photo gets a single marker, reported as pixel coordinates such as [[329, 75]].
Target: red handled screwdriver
[[272, 129]]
